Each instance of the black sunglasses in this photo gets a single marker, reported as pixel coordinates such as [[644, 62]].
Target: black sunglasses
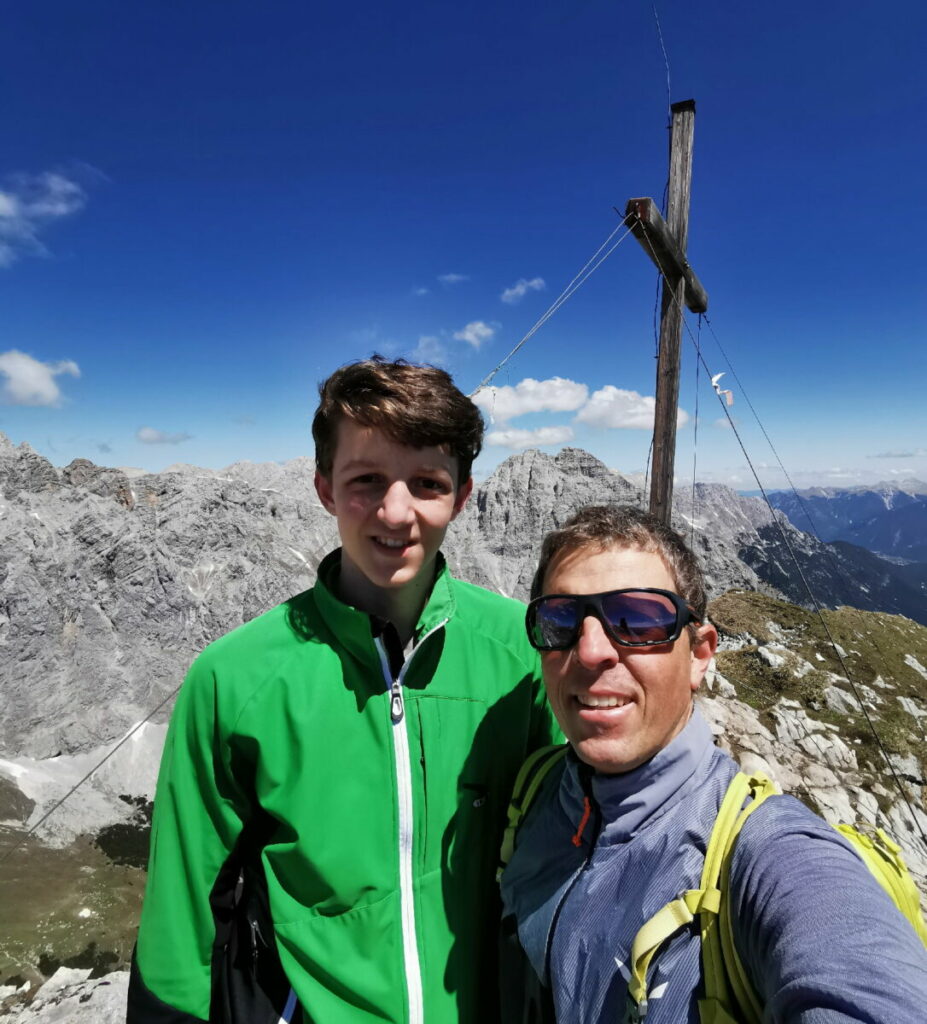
[[634, 617]]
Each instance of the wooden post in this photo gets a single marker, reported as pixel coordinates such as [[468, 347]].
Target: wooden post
[[674, 293]]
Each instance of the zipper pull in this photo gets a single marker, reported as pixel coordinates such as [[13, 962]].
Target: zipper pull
[[256, 937], [396, 709]]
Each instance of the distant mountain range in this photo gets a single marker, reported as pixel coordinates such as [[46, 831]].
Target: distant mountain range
[[889, 519]]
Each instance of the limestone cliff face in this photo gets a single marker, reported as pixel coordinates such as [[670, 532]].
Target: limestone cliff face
[[110, 585], [496, 539]]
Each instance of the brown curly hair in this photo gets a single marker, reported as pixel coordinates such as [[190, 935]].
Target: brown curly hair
[[415, 405]]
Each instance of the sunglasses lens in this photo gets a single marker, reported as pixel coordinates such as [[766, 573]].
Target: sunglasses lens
[[554, 623], [640, 618]]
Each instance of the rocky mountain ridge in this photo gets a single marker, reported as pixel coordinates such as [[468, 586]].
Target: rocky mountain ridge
[[110, 584]]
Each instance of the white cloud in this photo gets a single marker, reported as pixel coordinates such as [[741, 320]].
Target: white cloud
[[521, 288], [148, 435], [30, 202], [557, 394], [453, 278], [430, 349], [420, 291], [724, 423], [614, 408], [31, 382], [476, 333], [909, 453], [519, 439]]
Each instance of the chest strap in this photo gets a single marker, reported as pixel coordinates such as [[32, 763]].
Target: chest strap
[[705, 902]]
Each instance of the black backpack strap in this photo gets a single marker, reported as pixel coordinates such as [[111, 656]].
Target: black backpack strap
[[249, 985]]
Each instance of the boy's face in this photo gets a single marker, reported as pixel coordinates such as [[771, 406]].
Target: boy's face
[[393, 504]]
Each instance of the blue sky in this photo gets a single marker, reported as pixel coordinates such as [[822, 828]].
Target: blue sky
[[207, 207]]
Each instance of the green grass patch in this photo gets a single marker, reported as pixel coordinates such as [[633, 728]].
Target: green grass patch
[[70, 906], [875, 644]]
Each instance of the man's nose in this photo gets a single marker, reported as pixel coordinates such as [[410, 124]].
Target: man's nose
[[594, 646], [396, 507]]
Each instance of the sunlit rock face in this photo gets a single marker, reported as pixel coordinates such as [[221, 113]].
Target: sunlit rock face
[[110, 584]]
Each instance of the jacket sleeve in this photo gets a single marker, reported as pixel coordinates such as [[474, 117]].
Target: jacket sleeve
[[197, 819], [819, 937]]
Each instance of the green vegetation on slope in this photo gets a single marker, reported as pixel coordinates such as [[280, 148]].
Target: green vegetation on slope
[[74, 906], [880, 652]]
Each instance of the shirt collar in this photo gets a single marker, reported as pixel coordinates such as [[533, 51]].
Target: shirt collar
[[629, 801], [355, 628]]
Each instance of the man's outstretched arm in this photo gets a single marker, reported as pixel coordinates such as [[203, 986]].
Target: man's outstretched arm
[[822, 941]]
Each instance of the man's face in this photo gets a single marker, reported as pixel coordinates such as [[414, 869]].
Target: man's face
[[619, 705], [393, 504]]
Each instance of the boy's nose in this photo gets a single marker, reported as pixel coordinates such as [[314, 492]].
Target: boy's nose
[[396, 507]]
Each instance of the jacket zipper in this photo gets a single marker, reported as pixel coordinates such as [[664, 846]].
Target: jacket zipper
[[406, 826], [591, 805]]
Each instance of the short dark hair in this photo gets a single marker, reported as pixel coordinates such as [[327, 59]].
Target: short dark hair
[[416, 405], [623, 526]]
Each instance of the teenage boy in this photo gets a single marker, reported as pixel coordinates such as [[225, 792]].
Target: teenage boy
[[620, 826], [336, 771]]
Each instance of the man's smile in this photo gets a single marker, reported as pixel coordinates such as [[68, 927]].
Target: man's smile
[[589, 700]]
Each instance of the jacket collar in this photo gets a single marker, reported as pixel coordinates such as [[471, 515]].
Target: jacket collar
[[628, 802], [352, 627]]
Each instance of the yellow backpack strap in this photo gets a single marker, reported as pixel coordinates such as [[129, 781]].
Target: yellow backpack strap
[[530, 777], [882, 856], [721, 996], [654, 932], [726, 977]]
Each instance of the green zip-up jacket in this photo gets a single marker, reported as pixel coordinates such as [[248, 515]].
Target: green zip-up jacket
[[380, 803]]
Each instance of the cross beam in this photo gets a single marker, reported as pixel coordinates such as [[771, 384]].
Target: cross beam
[[665, 243], [648, 226]]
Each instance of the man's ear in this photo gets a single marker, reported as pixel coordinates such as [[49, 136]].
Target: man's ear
[[323, 488], [703, 650], [463, 493]]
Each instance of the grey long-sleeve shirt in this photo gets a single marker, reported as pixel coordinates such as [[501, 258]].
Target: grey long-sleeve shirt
[[820, 940]]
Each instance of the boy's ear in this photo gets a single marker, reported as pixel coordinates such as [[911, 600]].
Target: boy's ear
[[323, 488], [463, 493]]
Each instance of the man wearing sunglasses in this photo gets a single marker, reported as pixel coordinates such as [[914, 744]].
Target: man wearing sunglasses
[[620, 825]]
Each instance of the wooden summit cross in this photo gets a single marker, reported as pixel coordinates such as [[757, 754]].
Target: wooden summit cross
[[665, 241]]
